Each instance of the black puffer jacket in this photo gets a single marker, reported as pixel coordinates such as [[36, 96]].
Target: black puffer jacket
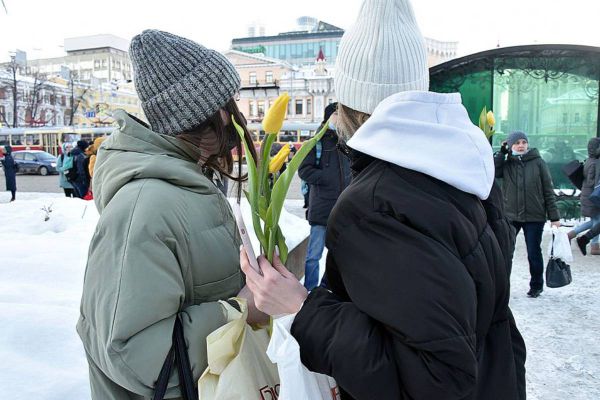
[[418, 307], [326, 180], [527, 187], [591, 174]]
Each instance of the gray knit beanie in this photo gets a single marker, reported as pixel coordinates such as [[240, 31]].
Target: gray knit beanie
[[383, 53], [180, 82], [515, 137]]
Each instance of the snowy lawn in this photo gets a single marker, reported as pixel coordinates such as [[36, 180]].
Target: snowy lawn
[[41, 273]]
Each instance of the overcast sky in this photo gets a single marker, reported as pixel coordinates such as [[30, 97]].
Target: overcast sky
[[39, 26]]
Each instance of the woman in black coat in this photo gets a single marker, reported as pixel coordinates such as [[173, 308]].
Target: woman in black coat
[[417, 269], [10, 171], [529, 199]]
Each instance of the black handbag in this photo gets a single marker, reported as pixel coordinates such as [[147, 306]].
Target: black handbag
[[574, 171], [558, 272], [177, 355]]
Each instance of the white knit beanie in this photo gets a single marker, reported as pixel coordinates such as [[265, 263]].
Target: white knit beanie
[[381, 54]]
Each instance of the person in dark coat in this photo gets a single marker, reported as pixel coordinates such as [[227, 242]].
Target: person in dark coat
[[81, 181], [327, 177], [591, 179], [419, 285], [529, 199], [10, 171]]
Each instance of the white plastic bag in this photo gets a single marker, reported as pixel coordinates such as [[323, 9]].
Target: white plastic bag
[[297, 382], [562, 246]]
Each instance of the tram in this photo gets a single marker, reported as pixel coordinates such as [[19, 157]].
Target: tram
[[50, 139]]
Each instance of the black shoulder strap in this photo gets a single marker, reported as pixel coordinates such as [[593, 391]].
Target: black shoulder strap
[[177, 355]]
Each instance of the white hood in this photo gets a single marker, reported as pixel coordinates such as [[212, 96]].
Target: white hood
[[430, 133]]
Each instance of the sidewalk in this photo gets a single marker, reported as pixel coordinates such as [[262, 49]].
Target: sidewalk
[[561, 328]]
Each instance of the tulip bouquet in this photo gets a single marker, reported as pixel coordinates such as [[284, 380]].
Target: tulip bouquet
[[487, 122], [266, 201]]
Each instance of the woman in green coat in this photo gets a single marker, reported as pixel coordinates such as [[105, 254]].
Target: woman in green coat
[[529, 199], [166, 243]]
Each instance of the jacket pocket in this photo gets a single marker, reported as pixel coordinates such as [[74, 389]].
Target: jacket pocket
[[218, 290]]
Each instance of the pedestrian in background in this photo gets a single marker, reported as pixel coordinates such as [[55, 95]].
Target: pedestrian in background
[[529, 199], [79, 179], [327, 172], [591, 179], [166, 246], [63, 163], [417, 306], [9, 165], [93, 151]]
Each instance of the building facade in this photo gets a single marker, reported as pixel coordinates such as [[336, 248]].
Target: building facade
[[50, 101], [302, 46], [90, 59]]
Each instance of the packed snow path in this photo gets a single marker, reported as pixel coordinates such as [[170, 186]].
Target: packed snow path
[[41, 273]]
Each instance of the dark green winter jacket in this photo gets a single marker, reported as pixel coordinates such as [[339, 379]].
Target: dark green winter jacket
[[527, 187], [165, 243]]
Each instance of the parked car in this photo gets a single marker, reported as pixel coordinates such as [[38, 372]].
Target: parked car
[[35, 162]]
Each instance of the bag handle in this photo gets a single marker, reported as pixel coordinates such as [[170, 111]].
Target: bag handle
[[552, 247], [177, 355]]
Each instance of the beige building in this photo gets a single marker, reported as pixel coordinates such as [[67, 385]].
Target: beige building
[[97, 58], [310, 87]]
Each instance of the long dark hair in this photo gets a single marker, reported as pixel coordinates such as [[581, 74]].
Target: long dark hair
[[227, 140]]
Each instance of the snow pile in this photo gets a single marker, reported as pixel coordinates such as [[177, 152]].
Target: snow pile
[[41, 275]]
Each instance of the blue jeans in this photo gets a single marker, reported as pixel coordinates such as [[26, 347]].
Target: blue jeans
[[316, 244], [588, 225], [533, 239]]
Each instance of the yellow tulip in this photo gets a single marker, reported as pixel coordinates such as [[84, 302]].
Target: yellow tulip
[[490, 118], [274, 119], [277, 162]]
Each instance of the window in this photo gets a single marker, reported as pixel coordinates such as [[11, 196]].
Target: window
[[96, 64], [261, 108], [252, 77], [253, 110], [269, 77], [565, 118], [309, 106], [299, 107], [17, 156], [577, 118], [30, 157]]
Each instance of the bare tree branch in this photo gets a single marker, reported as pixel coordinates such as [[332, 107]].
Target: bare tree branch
[[4, 5]]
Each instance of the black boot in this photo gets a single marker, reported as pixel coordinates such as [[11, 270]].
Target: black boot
[[582, 242], [534, 292]]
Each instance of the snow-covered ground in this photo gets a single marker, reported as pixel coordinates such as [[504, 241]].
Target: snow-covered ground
[[41, 273]]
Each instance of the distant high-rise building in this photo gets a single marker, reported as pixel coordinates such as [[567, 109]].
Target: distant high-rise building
[[302, 46]]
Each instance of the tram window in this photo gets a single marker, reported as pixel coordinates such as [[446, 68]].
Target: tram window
[[16, 140], [32, 139], [287, 136], [261, 136], [69, 138], [3, 140], [304, 135]]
